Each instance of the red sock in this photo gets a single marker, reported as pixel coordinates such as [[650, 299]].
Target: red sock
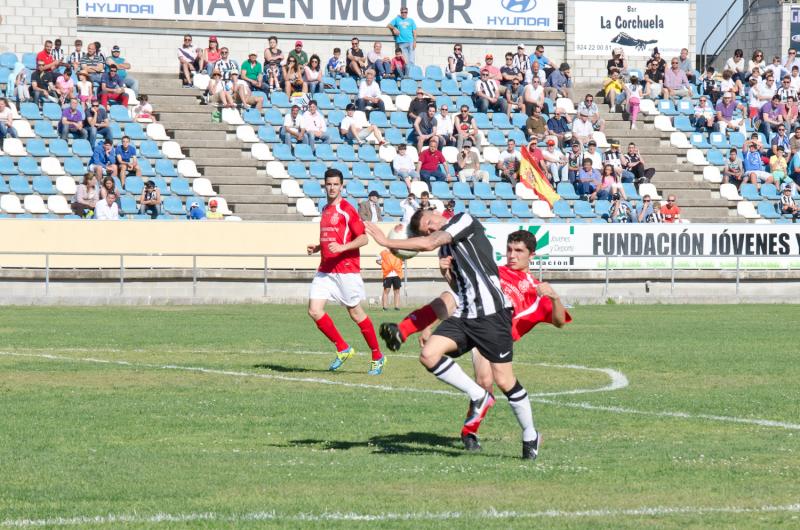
[[417, 321], [368, 330], [328, 328]]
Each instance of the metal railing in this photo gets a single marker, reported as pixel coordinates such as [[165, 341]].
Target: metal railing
[[728, 31]]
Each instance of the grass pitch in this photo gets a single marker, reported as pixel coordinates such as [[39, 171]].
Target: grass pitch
[[262, 438]]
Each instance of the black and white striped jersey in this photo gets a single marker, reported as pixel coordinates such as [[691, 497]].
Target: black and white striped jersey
[[477, 281]]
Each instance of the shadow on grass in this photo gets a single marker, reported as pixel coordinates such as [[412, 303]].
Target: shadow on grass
[[288, 369], [408, 443]]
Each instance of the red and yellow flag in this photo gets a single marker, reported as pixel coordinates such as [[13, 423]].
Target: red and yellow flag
[[530, 174]]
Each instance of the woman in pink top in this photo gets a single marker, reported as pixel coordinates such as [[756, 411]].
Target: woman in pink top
[[65, 86], [609, 182], [211, 54]]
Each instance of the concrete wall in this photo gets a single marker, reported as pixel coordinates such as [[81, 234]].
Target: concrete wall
[[26, 24], [766, 27]]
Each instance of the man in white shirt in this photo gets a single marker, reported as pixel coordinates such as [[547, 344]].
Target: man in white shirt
[[190, 60], [369, 94], [593, 154], [444, 125], [107, 210], [314, 124], [589, 107], [6, 121], [409, 206], [582, 128], [403, 166], [795, 78], [508, 163], [292, 128], [352, 130]]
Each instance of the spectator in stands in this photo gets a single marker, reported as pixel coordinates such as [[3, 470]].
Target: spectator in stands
[[794, 142], [487, 95], [710, 84], [77, 55], [314, 124], [589, 107], [42, 87], [494, 72], [736, 65], [122, 66], [582, 129], [293, 78], [99, 52], [369, 94], [370, 210], [559, 83], [554, 160], [671, 211], [515, 98], [126, 159], [792, 112], [510, 73], [795, 78], [189, 58], [793, 170], [613, 158], [86, 196], [212, 214], [45, 56], [702, 117], [754, 166], [633, 96], [788, 206], [425, 202], [768, 87], [108, 187], [786, 90], [644, 211], [790, 60], [356, 62], [733, 170], [404, 30], [274, 78], [522, 62], [676, 84], [59, 54], [378, 62], [609, 183], [537, 72], [544, 63], [292, 127], [243, 95], [419, 105], [403, 166], [273, 57], [467, 128], [508, 163], [725, 110], [429, 161], [65, 86], [299, 55], [353, 132], [559, 126], [336, 66], [444, 126], [409, 206], [98, 122], [617, 61], [613, 88], [399, 65], [424, 128], [468, 165], [534, 95], [85, 89], [6, 121], [72, 122], [654, 79], [220, 93], [196, 212], [776, 68], [773, 115], [729, 84], [225, 65], [94, 64], [686, 65], [252, 72], [150, 201], [107, 210], [211, 54], [535, 125], [574, 159], [781, 139], [588, 181], [620, 210], [456, 63], [103, 161], [778, 165], [656, 56], [633, 166], [112, 87], [449, 209]]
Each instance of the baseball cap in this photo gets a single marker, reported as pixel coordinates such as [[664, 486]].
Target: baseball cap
[[520, 45], [194, 205], [727, 95], [614, 145], [252, 55], [115, 49], [489, 56], [234, 72], [212, 203], [551, 142], [212, 38], [298, 43], [374, 193], [592, 142]]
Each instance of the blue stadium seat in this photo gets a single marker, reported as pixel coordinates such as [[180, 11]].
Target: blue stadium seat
[[119, 114], [355, 188], [602, 207], [504, 191], [266, 133], [630, 191], [323, 101], [719, 141], [501, 121], [398, 189], [161, 184], [379, 119], [51, 111], [19, 185], [44, 129], [330, 85], [392, 207], [482, 121], [29, 111], [116, 130], [304, 153], [317, 170], [335, 118], [750, 192], [147, 168], [367, 153], [282, 152], [280, 99], [325, 152], [29, 60], [394, 136], [362, 171], [128, 204], [429, 86], [460, 207], [400, 120], [312, 189], [736, 139], [383, 171], [335, 138], [683, 124], [273, 117], [134, 185], [499, 209], [135, 131], [180, 186], [518, 137], [44, 186], [297, 170], [36, 147], [478, 209], [767, 209], [149, 149], [7, 166], [484, 191], [348, 85], [444, 101], [408, 87], [441, 190], [81, 148], [58, 148], [28, 166], [450, 87], [173, 206], [377, 185], [3, 186], [518, 120], [563, 210], [345, 153], [685, 107], [496, 137], [567, 191], [770, 192], [341, 166], [389, 87], [341, 101], [8, 60], [462, 191], [165, 168], [715, 157], [699, 140], [434, 72], [415, 72], [584, 209], [468, 86], [252, 116], [666, 107], [521, 209]]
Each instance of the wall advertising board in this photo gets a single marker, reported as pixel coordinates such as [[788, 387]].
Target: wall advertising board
[[504, 15], [794, 28], [636, 27]]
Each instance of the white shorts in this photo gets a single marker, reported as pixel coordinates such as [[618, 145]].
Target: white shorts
[[345, 288]]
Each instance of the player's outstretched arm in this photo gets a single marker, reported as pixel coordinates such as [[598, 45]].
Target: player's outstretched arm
[[559, 311], [422, 244]]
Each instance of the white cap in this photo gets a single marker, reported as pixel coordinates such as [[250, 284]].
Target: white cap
[[521, 45]]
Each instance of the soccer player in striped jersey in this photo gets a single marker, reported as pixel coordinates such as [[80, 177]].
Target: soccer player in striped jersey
[[534, 302], [482, 317], [341, 234]]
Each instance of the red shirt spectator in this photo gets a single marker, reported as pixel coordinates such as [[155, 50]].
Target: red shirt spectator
[[429, 161], [49, 61], [340, 224], [671, 211]]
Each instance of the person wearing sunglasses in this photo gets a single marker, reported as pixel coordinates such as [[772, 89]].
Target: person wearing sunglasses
[[190, 60], [676, 84]]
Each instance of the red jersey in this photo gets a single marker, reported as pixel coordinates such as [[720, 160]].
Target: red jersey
[[340, 224], [529, 307]]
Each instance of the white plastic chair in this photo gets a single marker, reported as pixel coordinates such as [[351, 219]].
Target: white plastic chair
[[712, 174], [155, 131], [524, 192], [246, 134], [360, 118], [418, 186], [679, 140], [23, 128], [387, 153], [663, 123], [649, 189], [388, 104], [66, 185], [763, 222], [233, 218], [306, 207], [14, 147], [132, 99], [202, 187], [200, 81], [542, 209], [412, 152], [696, 157], [491, 154], [729, 191], [51, 166], [600, 139], [186, 168], [10, 204], [747, 210], [58, 205], [291, 188], [232, 117], [450, 154], [648, 106], [261, 151], [276, 170], [566, 105], [34, 204], [437, 204], [172, 150], [402, 102], [14, 112], [222, 207]]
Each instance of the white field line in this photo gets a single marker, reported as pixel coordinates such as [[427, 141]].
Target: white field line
[[655, 511], [387, 388]]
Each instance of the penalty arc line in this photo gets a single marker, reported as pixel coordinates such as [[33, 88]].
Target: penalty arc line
[[387, 388]]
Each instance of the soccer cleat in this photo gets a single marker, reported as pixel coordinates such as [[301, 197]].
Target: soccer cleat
[[341, 357], [530, 450], [376, 367], [390, 333], [470, 442], [477, 411]]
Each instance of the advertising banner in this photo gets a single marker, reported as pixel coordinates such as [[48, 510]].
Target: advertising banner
[[794, 29], [636, 27], [652, 246], [503, 15]]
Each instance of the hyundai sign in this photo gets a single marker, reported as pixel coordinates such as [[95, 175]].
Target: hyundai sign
[[498, 15]]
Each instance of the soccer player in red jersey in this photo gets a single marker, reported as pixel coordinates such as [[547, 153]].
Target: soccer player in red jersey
[[341, 234], [534, 302]]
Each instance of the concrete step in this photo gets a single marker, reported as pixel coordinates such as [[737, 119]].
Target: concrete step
[[206, 161], [240, 195], [233, 172], [189, 135], [246, 210], [280, 217], [193, 142]]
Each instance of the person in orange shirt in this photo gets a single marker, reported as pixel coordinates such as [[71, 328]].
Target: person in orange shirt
[[670, 211], [392, 268]]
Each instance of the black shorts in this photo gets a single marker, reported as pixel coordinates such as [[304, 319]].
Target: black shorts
[[392, 283], [491, 335]]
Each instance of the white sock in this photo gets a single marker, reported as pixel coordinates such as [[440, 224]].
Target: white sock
[[448, 371], [521, 405]]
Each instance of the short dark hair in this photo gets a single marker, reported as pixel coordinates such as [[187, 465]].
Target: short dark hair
[[126, 136], [334, 173], [413, 224], [337, 50], [523, 236]]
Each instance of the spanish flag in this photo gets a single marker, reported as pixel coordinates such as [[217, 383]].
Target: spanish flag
[[531, 175]]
